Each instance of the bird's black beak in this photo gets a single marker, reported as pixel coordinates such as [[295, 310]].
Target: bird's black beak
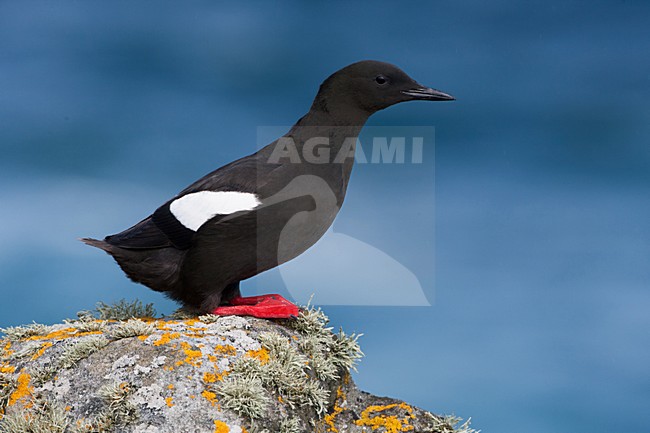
[[422, 93]]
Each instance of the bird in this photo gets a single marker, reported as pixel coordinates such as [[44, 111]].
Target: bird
[[264, 209]]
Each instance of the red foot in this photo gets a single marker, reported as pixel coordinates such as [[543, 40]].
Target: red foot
[[264, 307]]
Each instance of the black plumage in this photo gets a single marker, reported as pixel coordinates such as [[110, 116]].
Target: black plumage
[[289, 198]]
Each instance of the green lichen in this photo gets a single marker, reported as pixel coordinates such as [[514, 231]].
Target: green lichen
[[17, 333], [342, 351], [28, 350], [125, 310], [117, 413], [289, 425], [311, 321], [450, 424], [119, 410], [87, 323], [7, 387], [82, 349], [316, 348], [42, 417], [182, 314], [345, 350], [43, 373], [244, 395], [209, 318], [285, 374], [131, 328]]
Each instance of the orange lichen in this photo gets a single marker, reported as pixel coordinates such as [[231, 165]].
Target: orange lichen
[[44, 346], [170, 386], [23, 389], [166, 337], [261, 354], [7, 368], [62, 334], [209, 377], [169, 401], [217, 376], [226, 350], [192, 357], [221, 427], [194, 334], [209, 396], [162, 325], [391, 423], [331, 417], [68, 408]]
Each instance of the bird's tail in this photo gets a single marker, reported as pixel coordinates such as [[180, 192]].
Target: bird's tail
[[102, 245], [157, 268]]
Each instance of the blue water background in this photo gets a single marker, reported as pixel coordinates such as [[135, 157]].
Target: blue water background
[[541, 292]]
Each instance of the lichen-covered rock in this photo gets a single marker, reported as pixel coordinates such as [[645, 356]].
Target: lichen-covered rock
[[119, 373]]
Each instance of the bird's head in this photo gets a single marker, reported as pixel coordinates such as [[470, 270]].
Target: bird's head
[[371, 86]]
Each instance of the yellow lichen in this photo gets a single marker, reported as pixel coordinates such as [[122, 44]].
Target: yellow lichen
[[44, 346], [23, 389], [221, 427], [209, 377], [192, 357], [169, 401], [7, 368], [166, 337], [261, 354], [162, 325], [217, 376], [209, 396], [391, 423], [194, 334], [226, 350], [62, 334], [330, 418]]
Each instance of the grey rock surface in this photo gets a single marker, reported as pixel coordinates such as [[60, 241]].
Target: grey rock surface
[[198, 374]]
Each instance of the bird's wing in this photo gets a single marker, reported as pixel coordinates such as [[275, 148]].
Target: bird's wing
[[229, 189], [240, 245]]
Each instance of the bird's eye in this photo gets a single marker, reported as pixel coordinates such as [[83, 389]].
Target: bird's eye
[[380, 79]]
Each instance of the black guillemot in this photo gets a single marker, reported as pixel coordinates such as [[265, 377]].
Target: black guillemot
[[264, 209]]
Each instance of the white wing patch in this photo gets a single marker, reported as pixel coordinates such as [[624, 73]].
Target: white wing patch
[[193, 210]]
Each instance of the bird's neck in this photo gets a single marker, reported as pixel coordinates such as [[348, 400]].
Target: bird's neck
[[331, 113], [326, 123], [313, 138]]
